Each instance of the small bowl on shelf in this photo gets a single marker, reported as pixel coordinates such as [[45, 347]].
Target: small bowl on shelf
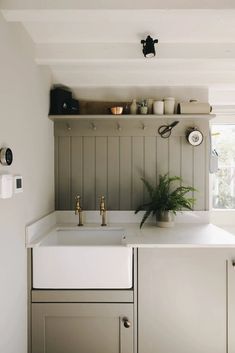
[[116, 110]]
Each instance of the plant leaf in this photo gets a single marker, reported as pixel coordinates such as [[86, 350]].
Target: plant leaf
[[148, 186], [146, 215], [165, 197]]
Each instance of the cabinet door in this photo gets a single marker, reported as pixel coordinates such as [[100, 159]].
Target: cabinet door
[[182, 301], [231, 303], [82, 328]]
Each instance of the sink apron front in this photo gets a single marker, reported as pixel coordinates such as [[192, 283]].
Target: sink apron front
[[82, 267]]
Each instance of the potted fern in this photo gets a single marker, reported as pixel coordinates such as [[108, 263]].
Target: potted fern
[[165, 200]]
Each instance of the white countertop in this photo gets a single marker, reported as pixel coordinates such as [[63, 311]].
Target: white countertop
[[182, 235]]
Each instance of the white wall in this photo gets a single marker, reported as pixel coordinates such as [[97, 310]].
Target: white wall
[[24, 127], [127, 93]]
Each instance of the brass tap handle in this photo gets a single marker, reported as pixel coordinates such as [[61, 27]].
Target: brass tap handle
[[103, 211], [77, 206], [78, 210], [102, 204]]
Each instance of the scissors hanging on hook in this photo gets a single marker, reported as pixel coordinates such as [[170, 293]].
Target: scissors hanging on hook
[[165, 130]]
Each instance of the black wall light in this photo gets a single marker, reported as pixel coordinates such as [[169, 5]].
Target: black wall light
[[148, 47]]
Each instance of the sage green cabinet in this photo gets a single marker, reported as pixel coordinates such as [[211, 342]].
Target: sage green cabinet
[[82, 328], [183, 301]]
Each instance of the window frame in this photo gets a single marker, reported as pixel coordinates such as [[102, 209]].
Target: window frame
[[220, 216]]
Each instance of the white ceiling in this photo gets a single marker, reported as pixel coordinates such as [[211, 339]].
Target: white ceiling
[[90, 47], [128, 26], [116, 4]]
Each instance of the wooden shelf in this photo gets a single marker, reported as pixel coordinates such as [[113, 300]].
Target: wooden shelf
[[64, 118]]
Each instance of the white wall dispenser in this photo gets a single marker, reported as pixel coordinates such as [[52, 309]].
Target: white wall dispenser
[[6, 186]]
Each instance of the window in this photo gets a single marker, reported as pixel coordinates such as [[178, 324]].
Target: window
[[223, 141]]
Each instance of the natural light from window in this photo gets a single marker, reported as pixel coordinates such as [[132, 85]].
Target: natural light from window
[[223, 141]]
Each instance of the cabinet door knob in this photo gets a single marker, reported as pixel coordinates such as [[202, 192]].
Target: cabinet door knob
[[126, 322], [233, 263]]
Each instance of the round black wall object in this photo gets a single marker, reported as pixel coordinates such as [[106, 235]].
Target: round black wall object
[[6, 156], [194, 136]]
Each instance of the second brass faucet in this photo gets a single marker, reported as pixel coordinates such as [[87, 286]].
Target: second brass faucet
[[103, 211], [78, 210]]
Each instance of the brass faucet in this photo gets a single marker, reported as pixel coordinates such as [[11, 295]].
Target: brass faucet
[[78, 210], [103, 211]]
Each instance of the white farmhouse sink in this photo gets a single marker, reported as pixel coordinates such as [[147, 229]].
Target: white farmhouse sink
[[85, 236], [83, 258]]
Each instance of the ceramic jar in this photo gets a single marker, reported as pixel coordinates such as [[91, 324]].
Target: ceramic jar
[[169, 105], [158, 107], [133, 107]]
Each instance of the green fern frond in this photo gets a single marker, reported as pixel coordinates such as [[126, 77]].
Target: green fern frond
[[165, 197]]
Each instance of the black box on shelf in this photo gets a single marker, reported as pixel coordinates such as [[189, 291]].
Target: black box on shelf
[[62, 103], [74, 107]]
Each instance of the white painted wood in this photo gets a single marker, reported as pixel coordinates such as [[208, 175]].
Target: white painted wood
[[77, 41], [161, 64], [13, 7], [51, 53], [182, 301]]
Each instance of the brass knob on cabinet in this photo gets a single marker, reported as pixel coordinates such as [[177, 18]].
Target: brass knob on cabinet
[[126, 322]]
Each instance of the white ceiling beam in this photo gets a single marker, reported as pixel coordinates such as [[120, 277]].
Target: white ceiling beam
[[49, 54], [116, 4], [212, 66]]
